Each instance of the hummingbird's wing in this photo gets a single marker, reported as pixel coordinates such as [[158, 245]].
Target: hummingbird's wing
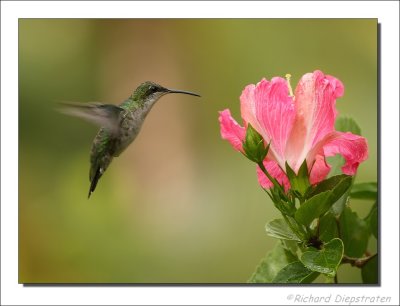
[[104, 115]]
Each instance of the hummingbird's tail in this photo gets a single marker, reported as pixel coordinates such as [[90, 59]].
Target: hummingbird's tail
[[94, 180], [98, 166]]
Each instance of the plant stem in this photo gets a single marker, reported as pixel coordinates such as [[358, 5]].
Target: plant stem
[[357, 262], [336, 279], [273, 180], [298, 231]]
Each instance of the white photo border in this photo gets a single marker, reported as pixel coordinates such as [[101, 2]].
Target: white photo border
[[12, 293]]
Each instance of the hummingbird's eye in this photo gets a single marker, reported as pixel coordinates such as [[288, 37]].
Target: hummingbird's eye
[[152, 89]]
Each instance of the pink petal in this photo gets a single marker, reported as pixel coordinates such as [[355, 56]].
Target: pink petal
[[319, 170], [248, 107], [275, 171], [231, 130], [270, 110], [352, 147], [315, 99]]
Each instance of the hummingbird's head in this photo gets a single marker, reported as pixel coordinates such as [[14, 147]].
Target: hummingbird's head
[[150, 91]]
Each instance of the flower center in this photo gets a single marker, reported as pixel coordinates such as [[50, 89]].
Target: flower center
[[288, 76]]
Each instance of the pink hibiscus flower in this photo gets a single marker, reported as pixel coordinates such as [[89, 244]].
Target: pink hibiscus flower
[[298, 127]]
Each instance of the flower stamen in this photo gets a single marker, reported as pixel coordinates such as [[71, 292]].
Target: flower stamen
[[288, 76]]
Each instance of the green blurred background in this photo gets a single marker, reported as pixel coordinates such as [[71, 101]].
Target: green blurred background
[[179, 206]]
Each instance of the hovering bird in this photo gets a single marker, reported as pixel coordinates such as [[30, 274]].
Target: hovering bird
[[119, 124]]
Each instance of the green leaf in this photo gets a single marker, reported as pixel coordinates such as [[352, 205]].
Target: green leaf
[[325, 261], [347, 124], [338, 184], [299, 182], [278, 228], [354, 233], [295, 272], [290, 245], [313, 208], [372, 220], [341, 188], [274, 261], [364, 191], [340, 204], [328, 228], [369, 271]]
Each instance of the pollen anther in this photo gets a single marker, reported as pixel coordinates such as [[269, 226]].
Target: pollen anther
[[288, 76]]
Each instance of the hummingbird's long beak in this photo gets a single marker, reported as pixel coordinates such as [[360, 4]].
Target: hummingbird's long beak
[[183, 92]]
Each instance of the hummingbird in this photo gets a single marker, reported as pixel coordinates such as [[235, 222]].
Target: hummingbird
[[119, 124]]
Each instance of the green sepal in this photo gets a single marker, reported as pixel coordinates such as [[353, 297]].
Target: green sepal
[[354, 232], [326, 260], [280, 200], [299, 182], [286, 208], [295, 273], [253, 145], [277, 192], [364, 191], [273, 262]]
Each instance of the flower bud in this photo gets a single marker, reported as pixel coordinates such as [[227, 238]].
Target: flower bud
[[253, 145]]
